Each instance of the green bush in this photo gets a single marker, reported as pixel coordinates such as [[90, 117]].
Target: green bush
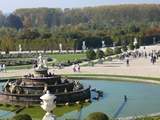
[[131, 46], [90, 54], [124, 48], [7, 105], [16, 105], [117, 50], [109, 52], [22, 117], [100, 54], [137, 46], [97, 116]]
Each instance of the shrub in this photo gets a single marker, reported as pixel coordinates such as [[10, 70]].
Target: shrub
[[137, 46], [100, 54], [90, 54], [131, 46], [117, 50], [7, 105], [109, 51], [49, 59], [22, 117], [16, 105], [124, 48], [97, 116]]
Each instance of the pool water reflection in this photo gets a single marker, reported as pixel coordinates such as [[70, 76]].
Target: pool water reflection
[[142, 99]]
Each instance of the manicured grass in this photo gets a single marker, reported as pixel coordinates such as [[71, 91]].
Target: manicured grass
[[18, 67], [34, 111], [37, 113], [58, 111], [8, 107], [107, 75], [66, 57], [58, 57]]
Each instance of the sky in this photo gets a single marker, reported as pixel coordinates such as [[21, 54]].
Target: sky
[[8, 6]]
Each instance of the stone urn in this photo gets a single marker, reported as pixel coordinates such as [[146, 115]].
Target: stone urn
[[48, 104]]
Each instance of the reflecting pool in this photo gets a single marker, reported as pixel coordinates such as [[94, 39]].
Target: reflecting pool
[[142, 99]]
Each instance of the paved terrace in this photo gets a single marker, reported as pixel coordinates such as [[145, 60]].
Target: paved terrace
[[138, 67]]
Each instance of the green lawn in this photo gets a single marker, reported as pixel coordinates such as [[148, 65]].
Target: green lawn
[[66, 57], [19, 67], [37, 113], [58, 57], [8, 107]]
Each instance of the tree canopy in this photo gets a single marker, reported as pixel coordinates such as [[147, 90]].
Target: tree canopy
[[46, 28]]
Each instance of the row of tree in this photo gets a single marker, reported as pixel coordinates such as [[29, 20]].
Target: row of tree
[[45, 29], [95, 16], [11, 20]]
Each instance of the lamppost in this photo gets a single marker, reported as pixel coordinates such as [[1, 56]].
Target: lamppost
[[48, 104]]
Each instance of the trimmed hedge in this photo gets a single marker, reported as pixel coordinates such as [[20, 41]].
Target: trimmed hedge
[[97, 116], [22, 117]]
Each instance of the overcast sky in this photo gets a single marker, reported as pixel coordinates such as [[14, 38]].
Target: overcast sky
[[8, 6]]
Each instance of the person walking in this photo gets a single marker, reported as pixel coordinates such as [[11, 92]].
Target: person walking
[[78, 68], [0, 67], [74, 68], [3, 67], [127, 60]]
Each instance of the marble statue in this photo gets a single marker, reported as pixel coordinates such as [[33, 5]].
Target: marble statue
[[84, 45], [40, 61], [48, 104], [103, 44], [20, 48], [44, 63], [135, 41], [60, 47], [45, 88]]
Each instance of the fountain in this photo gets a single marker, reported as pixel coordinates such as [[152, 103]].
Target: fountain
[[28, 89]]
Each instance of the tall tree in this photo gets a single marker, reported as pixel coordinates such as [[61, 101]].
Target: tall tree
[[7, 43], [14, 21]]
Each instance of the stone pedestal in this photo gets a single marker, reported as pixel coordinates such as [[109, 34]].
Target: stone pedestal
[[49, 116]]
